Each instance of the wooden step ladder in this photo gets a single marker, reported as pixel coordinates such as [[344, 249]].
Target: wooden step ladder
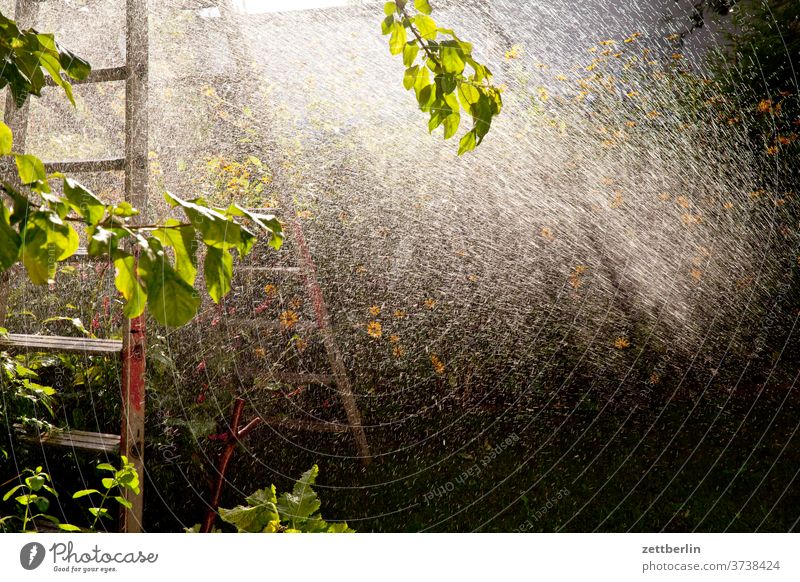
[[304, 268], [131, 349]]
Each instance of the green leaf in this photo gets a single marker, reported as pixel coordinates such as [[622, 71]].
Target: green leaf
[[426, 26], [451, 123], [467, 142], [250, 519], [410, 77], [84, 202], [410, 52], [30, 168], [34, 482], [6, 139], [218, 269], [9, 241], [386, 24], [302, 503], [398, 39], [262, 496], [68, 527], [426, 97], [216, 230], [42, 503], [124, 502], [73, 65], [11, 492], [171, 300], [108, 482], [84, 493], [106, 467], [422, 6], [127, 282], [452, 57], [99, 511], [389, 8]]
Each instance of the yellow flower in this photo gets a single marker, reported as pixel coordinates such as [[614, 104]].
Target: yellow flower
[[288, 319], [398, 351], [438, 365], [374, 329], [399, 314], [395, 339], [682, 201], [547, 233], [299, 343], [270, 289], [514, 52], [259, 353], [607, 42], [304, 214], [296, 303], [765, 106], [622, 343], [375, 311], [617, 201], [430, 303], [654, 379], [696, 273], [772, 150], [543, 94]]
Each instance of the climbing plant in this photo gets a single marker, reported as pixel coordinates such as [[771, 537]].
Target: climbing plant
[[459, 81]]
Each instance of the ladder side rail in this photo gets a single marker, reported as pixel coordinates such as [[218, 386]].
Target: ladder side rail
[[136, 187]]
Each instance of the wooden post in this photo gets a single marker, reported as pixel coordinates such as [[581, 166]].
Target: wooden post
[[136, 187]]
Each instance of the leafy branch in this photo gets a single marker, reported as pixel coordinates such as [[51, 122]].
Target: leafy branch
[[454, 88], [36, 224]]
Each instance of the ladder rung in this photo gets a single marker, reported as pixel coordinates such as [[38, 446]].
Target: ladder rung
[[103, 165], [99, 76], [295, 379], [83, 255], [55, 343], [253, 268], [305, 425], [270, 324], [75, 439]]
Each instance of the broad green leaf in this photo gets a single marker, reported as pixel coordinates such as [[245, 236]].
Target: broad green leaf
[[267, 222], [68, 527], [451, 123], [106, 467], [127, 283], [34, 482], [426, 26], [302, 503], [6, 139], [250, 519], [389, 8], [183, 243], [11, 492], [171, 300], [398, 39], [467, 142], [422, 6], [216, 230], [386, 25], [30, 168], [410, 52], [452, 57], [73, 65], [262, 496], [108, 482], [410, 77], [218, 270], [84, 202]]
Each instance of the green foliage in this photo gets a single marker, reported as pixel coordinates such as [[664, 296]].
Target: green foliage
[[123, 479], [36, 227], [293, 512], [454, 88], [29, 57]]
